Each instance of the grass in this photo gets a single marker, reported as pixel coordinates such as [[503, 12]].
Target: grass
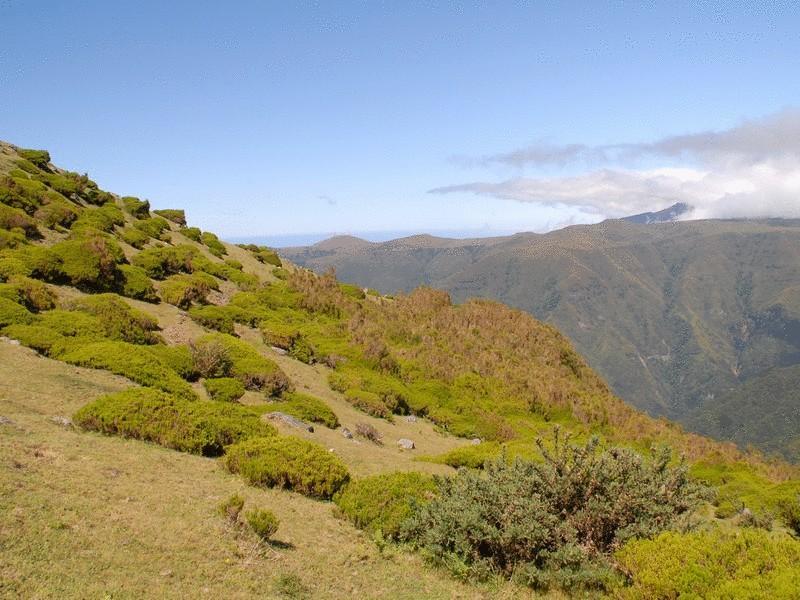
[[153, 531]]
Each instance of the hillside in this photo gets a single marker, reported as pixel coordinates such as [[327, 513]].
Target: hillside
[[673, 315], [155, 380]]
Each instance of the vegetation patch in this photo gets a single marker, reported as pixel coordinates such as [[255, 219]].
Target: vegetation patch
[[224, 389], [262, 522], [136, 284], [213, 244], [306, 408], [172, 214], [12, 313], [185, 290], [287, 462], [119, 320], [198, 427]]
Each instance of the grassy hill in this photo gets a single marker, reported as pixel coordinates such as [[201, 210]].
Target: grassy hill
[[152, 377], [673, 315]]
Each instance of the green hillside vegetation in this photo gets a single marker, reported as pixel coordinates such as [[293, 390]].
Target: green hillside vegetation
[[164, 384], [672, 315]]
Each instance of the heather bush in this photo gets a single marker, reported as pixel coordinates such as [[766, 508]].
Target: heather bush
[[161, 261], [184, 290], [789, 511], [211, 359], [305, 407], [12, 313], [213, 244], [136, 284], [134, 237], [194, 426], [103, 218], [368, 402], [32, 294], [224, 389], [153, 227], [193, 233], [136, 363], [714, 565], [291, 340], [31, 261], [263, 254], [552, 523], [231, 508], [14, 218], [119, 320], [178, 358], [136, 207], [12, 239], [262, 522], [474, 457], [90, 263], [382, 503], [368, 432], [172, 214], [253, 370], [287, 462], [57, 212], [41, 339], [21, 193], [234, 264], [40, 158], [213, 317]]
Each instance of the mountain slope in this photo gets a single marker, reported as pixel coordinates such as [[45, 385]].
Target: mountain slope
[[671, 314]]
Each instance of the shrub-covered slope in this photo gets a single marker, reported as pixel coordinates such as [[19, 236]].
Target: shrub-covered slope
[[219, 339]]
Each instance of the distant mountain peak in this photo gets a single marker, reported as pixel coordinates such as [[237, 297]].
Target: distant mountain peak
[[662, 216]]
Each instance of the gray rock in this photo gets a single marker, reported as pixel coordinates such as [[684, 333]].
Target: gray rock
[[278, 350], [475, 441], [347, 433], [406, 444], [63, 421], [411, 418], [8, 340], [289, 420]]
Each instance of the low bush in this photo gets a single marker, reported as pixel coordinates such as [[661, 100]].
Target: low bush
[[72, 324], [224, 389], [368, 402], [12, 239], [291, 340], [40, 158], [213, 244], [474, 457], [152, 227], [119, 320], [306, 408], [131, 361], [211, 359], [103, 218], [136, 207], [41, 339], [368, 432], [231, 508], [287, 462], [57, 212], [134, 237], [32, 294], [713, 564], [184, 290], [172, 214], [31, 261], [194, 426], [263, 254], [789, 511], [161, 261], [90, 263], [554, 523], [234, 264], [246, 364], [262, 522], [193, 233], [136, 284], [14, 218], [178, 358], [12, 313], [382, 503], [213, 317]]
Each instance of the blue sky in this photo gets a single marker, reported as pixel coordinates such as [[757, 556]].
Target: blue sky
[[283, 118]]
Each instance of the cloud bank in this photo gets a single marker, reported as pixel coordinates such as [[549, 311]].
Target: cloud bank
[[752, 170]]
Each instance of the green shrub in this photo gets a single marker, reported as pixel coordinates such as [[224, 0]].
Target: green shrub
[[184, 290], [31, 261], [12, 239], [247, 365], [72, 324], [193, 426], [264, 523], [177, 358], [90, 263], [291, 340], [172, 214], [352, 290], [714, 565], [474, 457], [368, 402], [552, 523], [103, 218], [131, 361], [382, 503], [789, 511], [21, 193], [224, 389], [161, 261], [193, 233], [306, 408], [134, 237], [12, 313], [263, 254], [211, 359], [40, 158], [152, 227], [57, 212], [234, 264], [135, 207], [213, 244], [136, 284], [14, 218], [119, 320], [231, 508], [213, 317], [32, 294], [41, 339], [287, 462]]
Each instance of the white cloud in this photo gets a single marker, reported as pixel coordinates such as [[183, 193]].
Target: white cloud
[[752, 170]]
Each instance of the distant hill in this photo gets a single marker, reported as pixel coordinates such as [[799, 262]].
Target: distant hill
[[662, 216], [673, 314]]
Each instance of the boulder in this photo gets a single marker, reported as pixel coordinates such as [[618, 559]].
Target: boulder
[[63, 421], [278, 350], [411, 418], [347, 433], [406, 444], [289, 420]]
